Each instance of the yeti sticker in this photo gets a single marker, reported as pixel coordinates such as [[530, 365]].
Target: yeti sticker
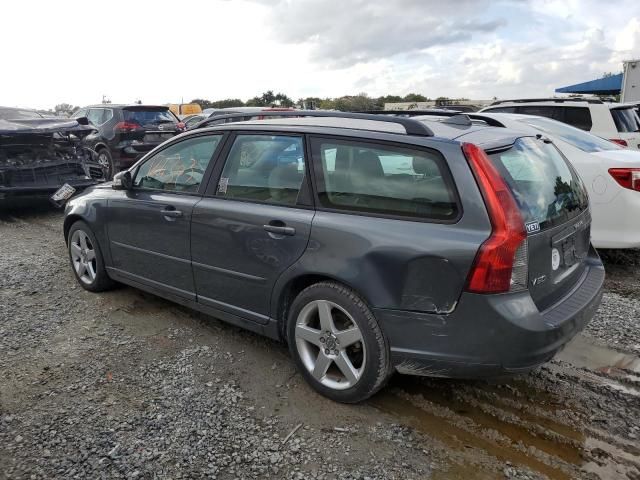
[[532, 227]]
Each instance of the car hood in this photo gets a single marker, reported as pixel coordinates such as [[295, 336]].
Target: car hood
[[621, 158], [43, 125]]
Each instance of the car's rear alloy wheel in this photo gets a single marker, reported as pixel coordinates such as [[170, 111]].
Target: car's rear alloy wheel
[[336, 343], [330, 344], [86, 258]]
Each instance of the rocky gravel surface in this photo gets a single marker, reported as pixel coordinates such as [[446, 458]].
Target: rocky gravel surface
[[127, 385]]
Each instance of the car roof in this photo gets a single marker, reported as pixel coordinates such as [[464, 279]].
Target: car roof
[[372, 129], [124, 105]]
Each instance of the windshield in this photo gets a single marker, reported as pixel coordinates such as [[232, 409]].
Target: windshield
[[626, 119], [546, 188], [574, 136], [17, 114], [149, 116]]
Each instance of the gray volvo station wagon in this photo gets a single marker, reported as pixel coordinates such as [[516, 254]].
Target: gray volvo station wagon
[[370, 244]]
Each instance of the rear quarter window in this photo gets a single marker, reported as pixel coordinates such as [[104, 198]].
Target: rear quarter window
[[547, 190], [383, 180], [626, 119], [579, 117]]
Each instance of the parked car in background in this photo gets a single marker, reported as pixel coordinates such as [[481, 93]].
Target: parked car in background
[[612, 121], [251, 113], [38, 155], [371, 244], [126, 132], [610, 173], [191, 121]]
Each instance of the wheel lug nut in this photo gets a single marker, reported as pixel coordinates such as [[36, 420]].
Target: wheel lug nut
[[326, 351], [322, 340]]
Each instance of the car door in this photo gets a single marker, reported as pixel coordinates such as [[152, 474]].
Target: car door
[[149, 225], [253, 223]]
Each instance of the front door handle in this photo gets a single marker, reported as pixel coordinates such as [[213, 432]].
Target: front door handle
[[172, 213], [279, 229]]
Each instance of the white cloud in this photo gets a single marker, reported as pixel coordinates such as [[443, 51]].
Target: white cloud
[[163, 51]]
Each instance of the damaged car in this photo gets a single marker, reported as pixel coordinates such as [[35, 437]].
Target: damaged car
[[38, 155]]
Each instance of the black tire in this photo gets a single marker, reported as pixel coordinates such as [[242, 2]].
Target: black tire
[[106, 162], [101, 280], [376, 369]]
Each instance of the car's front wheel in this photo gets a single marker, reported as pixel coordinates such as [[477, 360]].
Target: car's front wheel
[[337, 343], [86, 258]]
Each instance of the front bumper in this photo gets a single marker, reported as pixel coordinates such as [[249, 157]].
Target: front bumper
[[490, 335]]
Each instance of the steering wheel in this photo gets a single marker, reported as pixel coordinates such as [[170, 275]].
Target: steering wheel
[[184, 177]]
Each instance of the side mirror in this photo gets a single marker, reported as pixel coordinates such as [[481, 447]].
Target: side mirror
[[122, 181], [82, 120]]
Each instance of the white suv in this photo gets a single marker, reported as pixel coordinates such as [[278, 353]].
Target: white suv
[[614, 121]]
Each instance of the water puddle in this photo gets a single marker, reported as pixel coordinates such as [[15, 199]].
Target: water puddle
[[583, 353], [619, 371], [459, 438]]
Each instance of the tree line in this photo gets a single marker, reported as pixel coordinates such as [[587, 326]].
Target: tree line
[[361, 101]]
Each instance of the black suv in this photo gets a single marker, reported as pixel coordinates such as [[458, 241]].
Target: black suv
[[370, 244], [126, 132]]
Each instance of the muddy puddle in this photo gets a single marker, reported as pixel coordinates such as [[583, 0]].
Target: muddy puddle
[[521, 421]]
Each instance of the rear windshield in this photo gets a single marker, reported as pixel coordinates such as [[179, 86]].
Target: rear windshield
[[149, 116], [16, 114], [546, 188], [574, 136], [626, 119]]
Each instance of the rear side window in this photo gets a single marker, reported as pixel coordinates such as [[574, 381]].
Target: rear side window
[[540, 110], [502, 110], [376, 179], [626, 119], [148, 116], [545, 187], [264, 168], [578, 117]]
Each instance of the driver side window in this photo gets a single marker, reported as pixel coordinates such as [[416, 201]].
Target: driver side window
[[178, 168]]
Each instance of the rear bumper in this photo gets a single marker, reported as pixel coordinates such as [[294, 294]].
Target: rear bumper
[[490, 335]]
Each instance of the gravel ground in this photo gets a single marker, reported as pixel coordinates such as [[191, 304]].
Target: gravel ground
[[127, 385]]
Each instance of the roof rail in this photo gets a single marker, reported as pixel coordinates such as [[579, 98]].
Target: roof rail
[[412, 127], [552, 99], [441, 113]]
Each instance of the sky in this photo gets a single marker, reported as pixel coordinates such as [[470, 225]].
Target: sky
[[165, 51]]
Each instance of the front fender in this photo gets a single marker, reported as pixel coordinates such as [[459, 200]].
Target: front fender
[[90, 207]]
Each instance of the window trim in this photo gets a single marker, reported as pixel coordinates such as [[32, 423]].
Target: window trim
[[442, 165], [304, 194], [207, 173]]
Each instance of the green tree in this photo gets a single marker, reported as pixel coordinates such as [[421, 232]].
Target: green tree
[[350, 103], [415, 97], [227, 103], [64, 109], [380, 101]]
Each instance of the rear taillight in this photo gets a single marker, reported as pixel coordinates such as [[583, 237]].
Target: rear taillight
[[501, 263], [619, 141], [126, 126], [627, 177]]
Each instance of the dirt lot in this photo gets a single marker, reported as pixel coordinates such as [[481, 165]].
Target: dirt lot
[[126, 385]]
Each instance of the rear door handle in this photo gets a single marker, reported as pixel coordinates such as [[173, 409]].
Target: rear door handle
[[279, 229], [173, 213]]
